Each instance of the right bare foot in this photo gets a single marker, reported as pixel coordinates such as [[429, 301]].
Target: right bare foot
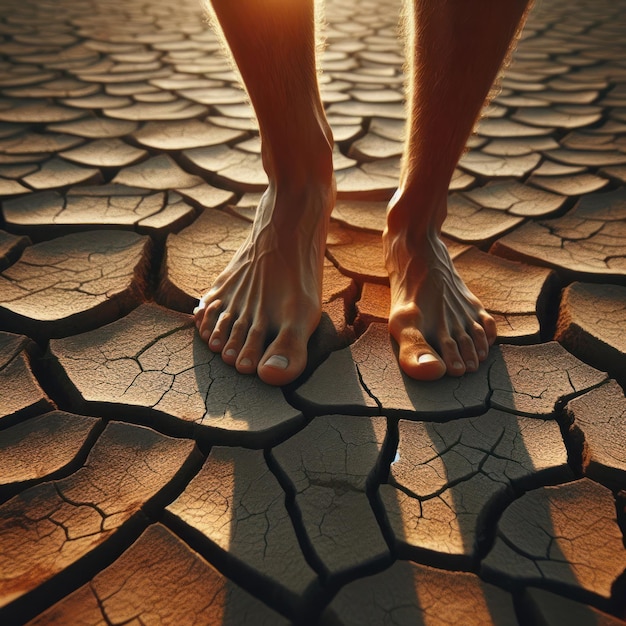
[[439, 324], [270, 293]]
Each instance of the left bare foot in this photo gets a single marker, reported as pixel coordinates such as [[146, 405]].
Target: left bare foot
[[265, 305], [439, 324]]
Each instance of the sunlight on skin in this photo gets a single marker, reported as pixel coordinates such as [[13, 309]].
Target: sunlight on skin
[[262, 310]]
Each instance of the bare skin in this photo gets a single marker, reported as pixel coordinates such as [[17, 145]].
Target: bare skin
[[271, 288], [440, 326], [264, 307]]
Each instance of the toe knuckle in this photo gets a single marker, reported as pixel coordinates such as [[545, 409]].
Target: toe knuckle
[[240, 325], [477, 329], [448, 344], [465, 342], [225, 317], [255, 333]]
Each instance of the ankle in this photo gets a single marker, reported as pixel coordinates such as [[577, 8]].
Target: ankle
[[415, 245], [297, 209], [300, 160], [415, 216]]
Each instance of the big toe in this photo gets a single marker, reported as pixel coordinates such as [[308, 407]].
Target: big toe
[[418, 359], [284, 360]]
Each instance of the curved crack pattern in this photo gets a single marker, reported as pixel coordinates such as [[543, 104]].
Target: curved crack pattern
[[153, 360], [328, 465], [50, 526], [566, 535], [130, 156], [447, 478]]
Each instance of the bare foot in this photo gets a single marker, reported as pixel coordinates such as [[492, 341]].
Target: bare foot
[[440, 326], [270, 293]]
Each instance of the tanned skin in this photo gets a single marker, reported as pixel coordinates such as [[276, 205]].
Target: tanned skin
[[263, 308]]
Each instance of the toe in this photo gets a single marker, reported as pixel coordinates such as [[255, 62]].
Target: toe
[[480, 341], [200, 309], [468, 352], [251, 352], [235, 341], [209, 317], [285, 358], [221, 332], [417, 358], [489, 324], [198, 314], [455, 365]]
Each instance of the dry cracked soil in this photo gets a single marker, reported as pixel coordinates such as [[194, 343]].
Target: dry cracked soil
[[142, 481]]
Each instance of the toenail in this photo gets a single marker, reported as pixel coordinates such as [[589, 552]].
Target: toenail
[[457, 365], [196, 309], [205, 335], [470, 364], [482, 354], [198, 324], [280, 362], [216, 343], [245, 362], [230, 352], [427, 358]]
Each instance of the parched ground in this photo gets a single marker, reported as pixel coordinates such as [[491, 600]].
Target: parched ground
[[144, 482]]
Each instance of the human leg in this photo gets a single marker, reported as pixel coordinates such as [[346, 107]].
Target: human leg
[[271, 290], [456, 48]]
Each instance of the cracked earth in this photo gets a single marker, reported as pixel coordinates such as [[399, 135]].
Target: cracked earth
[[142, 481]]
